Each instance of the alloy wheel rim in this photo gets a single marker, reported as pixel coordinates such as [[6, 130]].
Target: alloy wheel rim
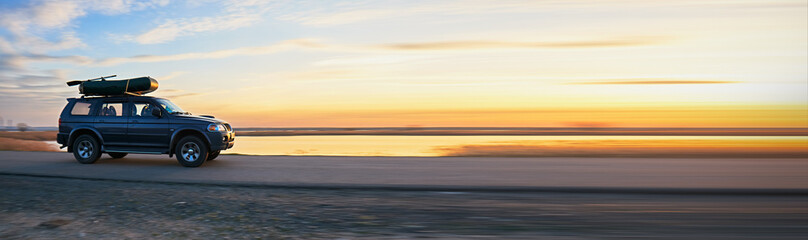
[[190, 152], [85, 149]]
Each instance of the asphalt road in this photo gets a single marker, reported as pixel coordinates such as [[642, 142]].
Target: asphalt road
[[714, 175]]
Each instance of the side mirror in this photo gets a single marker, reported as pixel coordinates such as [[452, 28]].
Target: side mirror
[[156, 112]]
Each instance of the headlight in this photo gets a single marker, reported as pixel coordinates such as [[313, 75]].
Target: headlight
[[216, 127]]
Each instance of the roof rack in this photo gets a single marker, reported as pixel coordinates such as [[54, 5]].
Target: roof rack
[[118, 95]]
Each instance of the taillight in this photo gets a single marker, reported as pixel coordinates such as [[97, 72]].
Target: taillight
[[60, 122]]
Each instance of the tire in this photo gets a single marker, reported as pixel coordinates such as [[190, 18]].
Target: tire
[[213, 155], [191, 151], [86, 149], [117, 154]]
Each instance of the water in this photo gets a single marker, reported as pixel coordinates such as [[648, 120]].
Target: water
[[518, 145]]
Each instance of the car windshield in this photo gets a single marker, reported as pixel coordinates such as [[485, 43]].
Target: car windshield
[[171, 107]]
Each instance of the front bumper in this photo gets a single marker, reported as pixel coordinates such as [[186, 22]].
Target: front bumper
[[221, 141]]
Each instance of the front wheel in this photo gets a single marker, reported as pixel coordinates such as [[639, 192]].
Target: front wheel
[[213, 155], [86, 149], [191, 151]]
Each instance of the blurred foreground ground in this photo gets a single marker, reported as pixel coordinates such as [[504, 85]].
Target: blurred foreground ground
[[55, 208]]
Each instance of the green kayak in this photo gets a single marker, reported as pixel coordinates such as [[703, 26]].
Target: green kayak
[[138, 86]]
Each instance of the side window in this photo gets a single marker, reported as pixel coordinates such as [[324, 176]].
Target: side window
[[80, 109], [112, 109], [142, 109]]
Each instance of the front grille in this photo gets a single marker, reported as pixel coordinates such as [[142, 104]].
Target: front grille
[[227, 125]]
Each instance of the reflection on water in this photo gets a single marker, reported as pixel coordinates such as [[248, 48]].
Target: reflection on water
[[753, 146]]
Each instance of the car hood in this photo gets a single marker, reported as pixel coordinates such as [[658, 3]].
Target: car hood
[[196, 119]]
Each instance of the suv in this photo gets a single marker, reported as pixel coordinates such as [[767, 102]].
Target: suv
[[118, 125]]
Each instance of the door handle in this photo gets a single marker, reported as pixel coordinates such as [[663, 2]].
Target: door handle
[[100, 121], [134, 121]]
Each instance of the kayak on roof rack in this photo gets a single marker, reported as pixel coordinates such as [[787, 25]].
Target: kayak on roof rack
[[103, 87]]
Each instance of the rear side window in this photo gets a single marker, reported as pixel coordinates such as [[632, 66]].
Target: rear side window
[[81, 109], [112, 109]]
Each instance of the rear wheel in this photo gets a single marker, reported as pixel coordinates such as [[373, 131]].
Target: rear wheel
[[213, 155], [86, 149], [117, 154], [191, 151]]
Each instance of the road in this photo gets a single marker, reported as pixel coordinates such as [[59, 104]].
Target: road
[[713, 175], [47, 195]]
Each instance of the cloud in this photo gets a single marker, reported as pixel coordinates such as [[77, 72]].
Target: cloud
[[39, 86], [172, 75], [38, 45], [472, 45], [236, 14], [49, 14], [260, 50], [5, 46], [346, 13], [430, 46], [182, 95], [34, 30], [58, 14], [338, 18], [123, 6], [304, 43], [19, 62], [655, 81], [325, 13], [371, 60], [174, 28], [32, 25], [174, 93], [27, 24]]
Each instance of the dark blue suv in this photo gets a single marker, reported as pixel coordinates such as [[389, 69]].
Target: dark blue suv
[[119, 125]]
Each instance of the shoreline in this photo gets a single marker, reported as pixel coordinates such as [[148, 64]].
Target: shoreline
[[525, 131], [599, 148], [794, 156], [476, 131]]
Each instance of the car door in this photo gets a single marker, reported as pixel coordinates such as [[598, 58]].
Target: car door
[[145, 129], [111, 121]]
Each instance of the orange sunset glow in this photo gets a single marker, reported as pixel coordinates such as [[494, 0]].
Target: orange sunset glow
[[697, 116]]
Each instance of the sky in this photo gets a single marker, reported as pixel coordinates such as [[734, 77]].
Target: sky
[[470, 63]]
